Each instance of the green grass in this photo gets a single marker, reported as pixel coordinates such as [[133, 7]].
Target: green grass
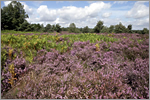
[[17, 32], [89, 37]]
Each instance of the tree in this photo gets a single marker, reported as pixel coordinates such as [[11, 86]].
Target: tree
[[72, 28], [105, 30], [77, 30], [129, 28], [42, 28], [4, 20], [119, 28], [13, 15], [64, 29], [85, 29], [24, 26], [98, 27], [58, 28], [53, 28], [81, 29], [48, 28], [38, 27], [145, 31], [91, 30], [137, 31], [111, 28]]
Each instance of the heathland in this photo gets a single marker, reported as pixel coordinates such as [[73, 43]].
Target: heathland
[[67, 66]]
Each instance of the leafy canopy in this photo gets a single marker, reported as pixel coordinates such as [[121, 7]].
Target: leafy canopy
[[13, 15]]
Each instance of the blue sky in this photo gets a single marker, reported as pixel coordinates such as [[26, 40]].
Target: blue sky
[[87, 13]]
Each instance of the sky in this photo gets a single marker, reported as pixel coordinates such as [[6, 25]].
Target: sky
[[87, 13]]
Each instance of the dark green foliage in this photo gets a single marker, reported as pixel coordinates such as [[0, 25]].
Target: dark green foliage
[[77, 30], [98, 27], [81, 29], [137, 31], [64, 29], [58, 28], [37, 27], [85, 29], [23, 26], [111, 28], [105, 30], [72, 28], [91, 30], [12, 16], [119, 28], [53, 27], [48, 28], [129, 28], [145, 31], [30, 27]]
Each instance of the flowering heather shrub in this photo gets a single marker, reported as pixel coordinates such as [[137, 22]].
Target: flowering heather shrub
[[84, 73], [131, 49], [137, 77], [10, 75]]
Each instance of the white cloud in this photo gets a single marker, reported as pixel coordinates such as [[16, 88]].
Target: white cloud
[[139, 10], [32, 19], [46, 14], [97, 7], [89, 15], [7, 2], [75, 13], [69, 14], [28, 10], [120, 2], [58, 21], [141, 23], [111, 21], [106, 15], [72, 13]]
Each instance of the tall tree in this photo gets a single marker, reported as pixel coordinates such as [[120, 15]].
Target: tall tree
[[72, 27], [53, 28], [111, 28], [98, 27], [13, 15], [85, 29], [24, 26], [48, 28], [105, 30], [119, 28], [129, 28], [145, 31], [58, 28]]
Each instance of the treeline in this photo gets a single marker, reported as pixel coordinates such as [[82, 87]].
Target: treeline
[[13, 17], [100, 28]]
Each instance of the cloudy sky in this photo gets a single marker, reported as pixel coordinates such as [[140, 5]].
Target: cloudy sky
[[87, 13]]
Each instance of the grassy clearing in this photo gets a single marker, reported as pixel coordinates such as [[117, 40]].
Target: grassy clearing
[[15, 32]]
